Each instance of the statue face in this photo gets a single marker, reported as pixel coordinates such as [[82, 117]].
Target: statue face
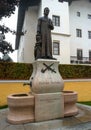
[[46, 11]]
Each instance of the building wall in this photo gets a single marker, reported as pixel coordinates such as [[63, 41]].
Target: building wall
[[60, 34], [64, 57], [59, 9], [20, 55], [82, 22], [27, 42]]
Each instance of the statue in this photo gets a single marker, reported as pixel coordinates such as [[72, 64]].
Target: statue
[[37, 49], [43, 47]]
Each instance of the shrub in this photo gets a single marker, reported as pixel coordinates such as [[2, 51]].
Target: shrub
[[22, 71], [75, 71], [15, 71]]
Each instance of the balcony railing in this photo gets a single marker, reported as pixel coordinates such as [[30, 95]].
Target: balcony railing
[[83, 60]]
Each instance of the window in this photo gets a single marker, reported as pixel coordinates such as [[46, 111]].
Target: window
[[89, 55], [78, 14], [89, 16], [56, 20], [56, 48], [78, 32], [79, 54], [89, 34]]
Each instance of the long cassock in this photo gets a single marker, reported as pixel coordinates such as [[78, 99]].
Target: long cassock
[[44, 28]]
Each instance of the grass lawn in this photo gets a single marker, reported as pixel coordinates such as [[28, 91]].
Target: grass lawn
[[83, 89], [86, 103]]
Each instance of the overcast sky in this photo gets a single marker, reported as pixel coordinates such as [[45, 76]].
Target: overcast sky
[[11, 22]]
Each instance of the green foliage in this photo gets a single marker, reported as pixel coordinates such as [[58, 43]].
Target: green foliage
[[3, 107], [15, 71], [75, 71], [22, 71], [86, 103]]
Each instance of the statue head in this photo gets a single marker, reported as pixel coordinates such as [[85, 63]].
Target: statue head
[[46, 11]]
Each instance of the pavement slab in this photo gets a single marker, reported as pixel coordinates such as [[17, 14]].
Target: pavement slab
[[82, 121]]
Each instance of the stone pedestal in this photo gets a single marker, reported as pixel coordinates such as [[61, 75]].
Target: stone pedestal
[[21, 108], [49, 106], [24, 108], [46, 77], [47, 100], [70, 99]]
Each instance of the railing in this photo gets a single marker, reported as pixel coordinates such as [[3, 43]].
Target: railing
[[83, 60]]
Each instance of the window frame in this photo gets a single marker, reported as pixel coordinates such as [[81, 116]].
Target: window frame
[[57, 48], [78, 13], [56, 20], [89, 16], [89, 55], [79, 33], [89, 34], [79, 54]]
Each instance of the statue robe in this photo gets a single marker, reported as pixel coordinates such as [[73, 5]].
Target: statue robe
[[44, 28]]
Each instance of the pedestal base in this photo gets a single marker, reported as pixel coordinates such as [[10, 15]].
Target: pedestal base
[[45, 77], [25, 108], [21, 108], [70, 99], [49, 106]]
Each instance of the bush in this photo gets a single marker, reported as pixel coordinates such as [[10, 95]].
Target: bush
[[15, 71], [75, 71], [22, 71]]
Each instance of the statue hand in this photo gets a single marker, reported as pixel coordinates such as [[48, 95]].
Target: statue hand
[[50, 25]]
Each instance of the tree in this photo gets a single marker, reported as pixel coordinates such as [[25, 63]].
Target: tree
[[5, 47], [7, 7]]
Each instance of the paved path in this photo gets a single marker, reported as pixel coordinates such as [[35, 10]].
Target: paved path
[[82, 121], [66, 80]]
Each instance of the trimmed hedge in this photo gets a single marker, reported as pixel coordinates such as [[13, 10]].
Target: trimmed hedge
[[22, 71], [75, 71], [15, 71]]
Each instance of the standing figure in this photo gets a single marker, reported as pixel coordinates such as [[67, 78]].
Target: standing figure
[[37, 48], [44, 28]]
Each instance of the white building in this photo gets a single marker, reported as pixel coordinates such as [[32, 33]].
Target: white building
[[59, 12], [80, 29], [71, 35]]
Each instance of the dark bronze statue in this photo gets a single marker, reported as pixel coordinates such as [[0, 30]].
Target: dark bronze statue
[[37, 49], [43, 47]]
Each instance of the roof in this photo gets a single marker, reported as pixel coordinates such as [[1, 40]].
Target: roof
[[23, 5]]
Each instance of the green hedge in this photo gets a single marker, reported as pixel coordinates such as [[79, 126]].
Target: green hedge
[[75, 71], [15, 71], [23, 71]]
